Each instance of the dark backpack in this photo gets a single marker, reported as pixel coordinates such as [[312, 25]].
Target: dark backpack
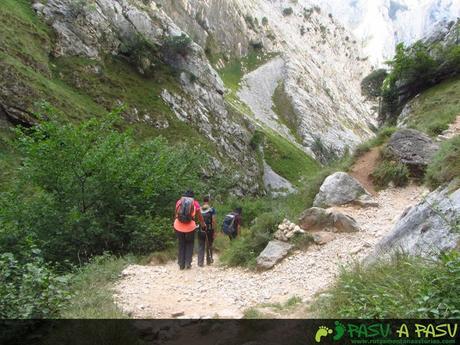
[[207, 214], [185, 210], [228, 226]]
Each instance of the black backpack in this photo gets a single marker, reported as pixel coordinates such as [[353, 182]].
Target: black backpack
[[228, 226], [207, 216], [185, 209]]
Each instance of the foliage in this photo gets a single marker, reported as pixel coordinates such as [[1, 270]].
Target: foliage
[[30, 289], [382, 136], [177, 45], [288, 160], [414, 69], [90, 288], [371, 86], [140, 52], [436, 108], [445, 166], [288, 11], [405, 287], [244, 250], [390, 172], [87, 188]]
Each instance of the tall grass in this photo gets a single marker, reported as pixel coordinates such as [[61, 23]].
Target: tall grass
[[405, 287]]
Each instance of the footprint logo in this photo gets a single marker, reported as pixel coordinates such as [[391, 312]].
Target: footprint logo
[[339, 331], [323, 331]]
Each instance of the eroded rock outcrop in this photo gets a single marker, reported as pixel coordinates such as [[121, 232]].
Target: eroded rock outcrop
[[340, 188], [426, 229], [274, 252], [412, 148], [319, 219]]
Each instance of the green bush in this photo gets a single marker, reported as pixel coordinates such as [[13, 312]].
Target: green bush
[[85, 189], [30, 289], [405, 287], [389, 171], [445, 166], [177, 45], [382, 136], [288, 11], [244, 250], [371, 86]]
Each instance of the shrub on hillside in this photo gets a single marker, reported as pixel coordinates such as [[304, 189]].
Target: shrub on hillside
[[288, 11], [244, 250], [406, 287], [445, 166], [371, 86], [390, 172], [177, 45], [88, 188], [30, 289]]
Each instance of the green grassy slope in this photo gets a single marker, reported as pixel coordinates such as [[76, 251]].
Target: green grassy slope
[[436, 107], [76, 87]]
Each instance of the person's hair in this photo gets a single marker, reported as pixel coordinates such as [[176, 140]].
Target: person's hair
[[238, 210], [189, 193], [206, 199]]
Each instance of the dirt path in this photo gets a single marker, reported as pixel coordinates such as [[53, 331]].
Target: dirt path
[[165, 291], [364, 167], [452, 131]]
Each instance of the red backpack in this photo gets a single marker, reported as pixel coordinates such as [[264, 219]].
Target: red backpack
[[185, 210]]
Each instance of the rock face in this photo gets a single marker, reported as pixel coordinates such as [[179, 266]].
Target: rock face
[[339, 189], [412, 148], [317, 219], [318, 71], [430, 227], [276, 184], [274, 252]]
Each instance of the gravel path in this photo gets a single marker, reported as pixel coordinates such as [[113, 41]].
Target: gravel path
[[165, 291]]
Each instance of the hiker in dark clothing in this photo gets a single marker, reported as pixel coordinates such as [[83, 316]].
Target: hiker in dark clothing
[[232, 223], [206, 237], [187, 208]]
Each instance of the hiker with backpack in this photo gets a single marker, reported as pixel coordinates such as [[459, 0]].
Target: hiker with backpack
[[187, 209], [231, 225], [206, 236]]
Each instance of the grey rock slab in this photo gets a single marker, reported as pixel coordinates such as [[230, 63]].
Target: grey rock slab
[[412, 148], [339, 189], [274, 252], [426, 229]]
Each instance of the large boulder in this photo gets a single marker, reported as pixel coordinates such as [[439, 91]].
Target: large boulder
[[426, 229], [412, 148], [274, 252], [339, 189], [318, 219]]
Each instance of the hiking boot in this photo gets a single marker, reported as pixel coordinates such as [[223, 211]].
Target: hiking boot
[[182, 268], [188, 267]]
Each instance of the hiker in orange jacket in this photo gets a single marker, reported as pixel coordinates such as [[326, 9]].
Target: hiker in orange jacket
[[187, 209]]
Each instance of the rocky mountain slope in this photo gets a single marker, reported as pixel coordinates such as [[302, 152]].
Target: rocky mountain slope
[[181, 68], [381, 24]]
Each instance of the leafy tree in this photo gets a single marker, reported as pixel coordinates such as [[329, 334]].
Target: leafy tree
[[371, 86], [88, 188]]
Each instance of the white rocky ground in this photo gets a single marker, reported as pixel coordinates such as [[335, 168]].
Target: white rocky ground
[[164, 291]]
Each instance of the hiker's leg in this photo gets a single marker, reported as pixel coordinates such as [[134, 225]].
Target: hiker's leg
[[181, 249], [209, 259], [201, 249], [189, 242]]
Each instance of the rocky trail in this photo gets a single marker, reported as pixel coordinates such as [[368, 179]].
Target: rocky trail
[[163, 291]]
